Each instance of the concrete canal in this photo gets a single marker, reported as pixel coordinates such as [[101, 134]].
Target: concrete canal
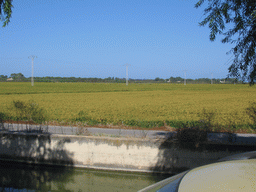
[[60, 161]]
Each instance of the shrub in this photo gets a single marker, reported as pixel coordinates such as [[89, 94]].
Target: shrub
[[82, 116], [251, 111], [29, 111]]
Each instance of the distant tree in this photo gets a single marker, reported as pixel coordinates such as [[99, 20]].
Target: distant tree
[[5, 11], [159, 79], [178, 79], [17, 76], [3, 76], [240, 15]]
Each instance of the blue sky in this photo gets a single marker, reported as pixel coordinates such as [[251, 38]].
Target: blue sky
[[95, 38]]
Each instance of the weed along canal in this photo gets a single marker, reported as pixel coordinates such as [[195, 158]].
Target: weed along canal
[[23, 177]]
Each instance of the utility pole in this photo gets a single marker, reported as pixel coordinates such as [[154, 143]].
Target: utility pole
[[211, 78], [32, 78], [127, 73], [185, 77]]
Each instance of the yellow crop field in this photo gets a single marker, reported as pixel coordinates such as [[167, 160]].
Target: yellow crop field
[[222, 105]]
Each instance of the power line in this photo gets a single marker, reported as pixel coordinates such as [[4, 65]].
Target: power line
[[229, 60]]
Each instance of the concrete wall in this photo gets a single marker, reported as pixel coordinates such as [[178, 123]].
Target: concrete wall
[[126, 154]]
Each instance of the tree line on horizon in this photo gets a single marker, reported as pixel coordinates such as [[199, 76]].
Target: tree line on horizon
[[233, 19], [19, 77]]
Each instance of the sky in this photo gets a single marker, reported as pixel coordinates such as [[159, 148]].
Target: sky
[[96, 38]]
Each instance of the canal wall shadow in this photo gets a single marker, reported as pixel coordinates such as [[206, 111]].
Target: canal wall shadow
[[191, 148], [34, 147]]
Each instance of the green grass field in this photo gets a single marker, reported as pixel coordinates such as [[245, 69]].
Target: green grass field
[[215, 107]]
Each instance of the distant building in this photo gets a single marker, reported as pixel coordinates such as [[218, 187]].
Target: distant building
[[9, 79]]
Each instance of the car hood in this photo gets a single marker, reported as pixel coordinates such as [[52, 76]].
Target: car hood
[[239, 175]]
